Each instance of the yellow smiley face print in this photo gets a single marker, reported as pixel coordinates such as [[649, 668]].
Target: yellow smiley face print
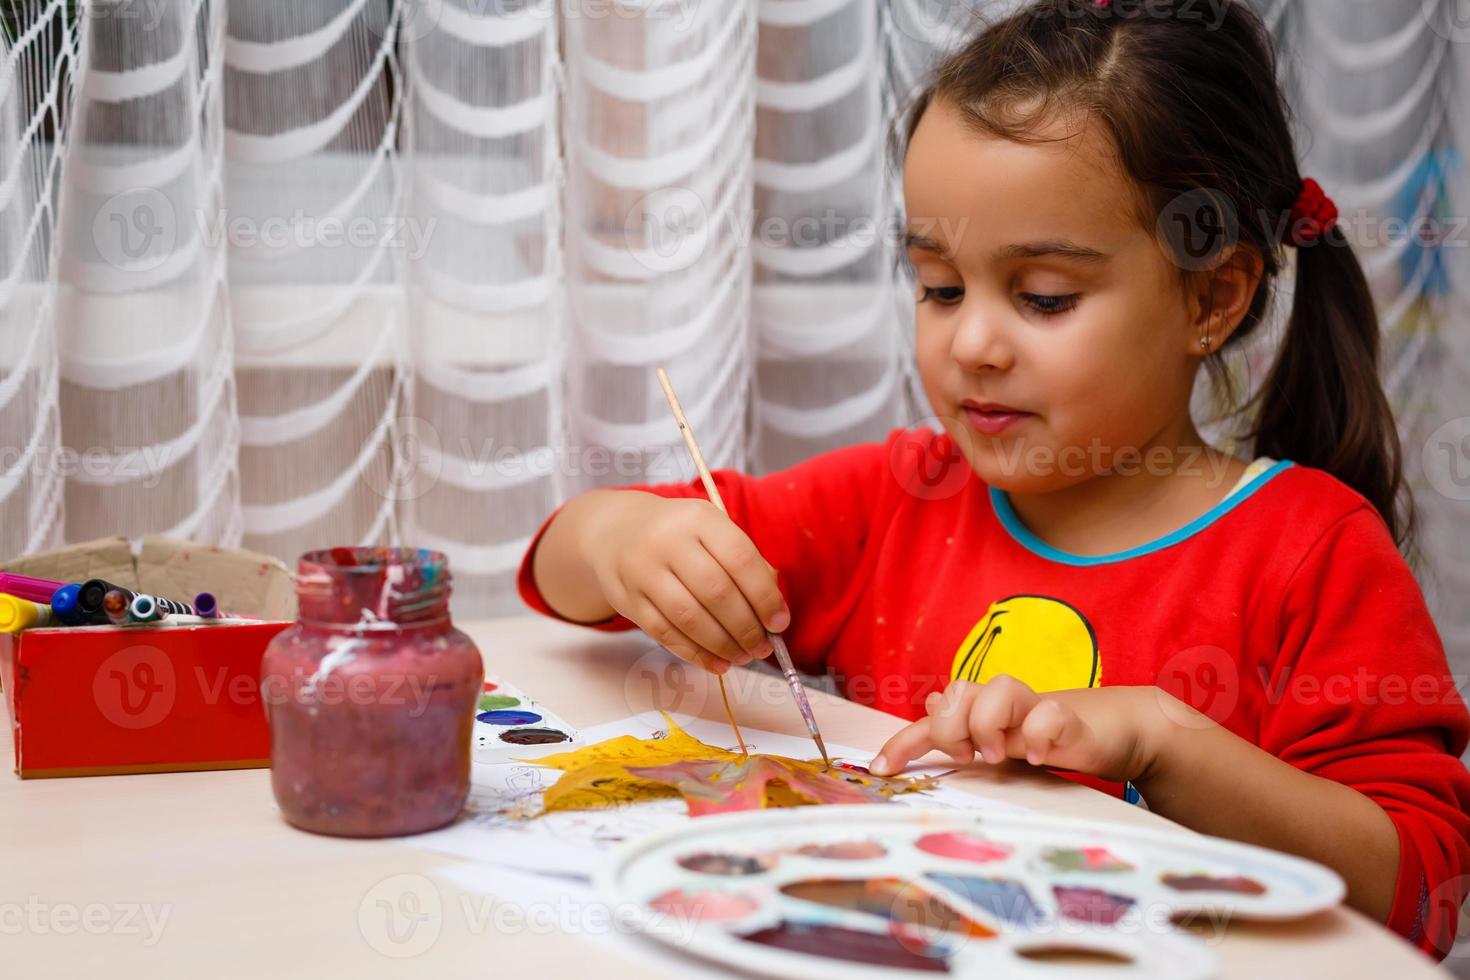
[[1040, 641]]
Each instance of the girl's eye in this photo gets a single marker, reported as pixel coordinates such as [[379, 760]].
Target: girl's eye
[[943, 295], [1050, 305]]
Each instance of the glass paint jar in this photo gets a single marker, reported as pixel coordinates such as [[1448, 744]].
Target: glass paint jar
[[371, 696]]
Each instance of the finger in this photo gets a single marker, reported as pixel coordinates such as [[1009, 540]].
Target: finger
[[1052, 735], [949, 721], [910, 743], [687, 613], [755, 577], [668, 636], [1000, 705], [710, 582]]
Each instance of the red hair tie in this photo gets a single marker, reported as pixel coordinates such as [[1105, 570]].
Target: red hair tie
[[1312, 216]]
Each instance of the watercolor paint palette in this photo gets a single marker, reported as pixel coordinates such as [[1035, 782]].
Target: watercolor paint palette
[[510, 725], [867, 891]]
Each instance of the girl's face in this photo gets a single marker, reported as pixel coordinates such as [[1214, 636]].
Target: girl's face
[[1054, 336]]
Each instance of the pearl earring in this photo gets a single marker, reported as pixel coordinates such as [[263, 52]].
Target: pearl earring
[[1205, 342]]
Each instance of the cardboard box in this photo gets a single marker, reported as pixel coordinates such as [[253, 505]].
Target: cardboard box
[[245, 583], [146, 698]]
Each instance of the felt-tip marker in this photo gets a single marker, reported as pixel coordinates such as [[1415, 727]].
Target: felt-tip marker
[[187, 619], [95, 591], [144, 609], [28, 587], [90, 598], [206, 606], [64, 604], [18, 614], [171, 607], [115, 605]]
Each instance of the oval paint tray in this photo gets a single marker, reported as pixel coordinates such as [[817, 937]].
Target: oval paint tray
[[869, 891]]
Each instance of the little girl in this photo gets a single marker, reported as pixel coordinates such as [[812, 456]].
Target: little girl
[[1100, 200]]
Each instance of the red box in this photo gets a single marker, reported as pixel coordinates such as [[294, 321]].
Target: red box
[[98, 701]]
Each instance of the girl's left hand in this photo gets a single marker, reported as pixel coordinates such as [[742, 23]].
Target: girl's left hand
[[1106, 732]]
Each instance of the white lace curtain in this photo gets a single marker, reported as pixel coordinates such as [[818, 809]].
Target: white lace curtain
[[292, 273]]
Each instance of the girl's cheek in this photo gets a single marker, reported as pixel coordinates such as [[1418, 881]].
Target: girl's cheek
[[933, 370], [933, 337]]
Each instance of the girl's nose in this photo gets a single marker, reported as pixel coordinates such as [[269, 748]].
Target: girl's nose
[[980, 343]]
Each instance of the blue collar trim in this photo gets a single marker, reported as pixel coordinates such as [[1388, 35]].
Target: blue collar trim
[[1008, 519]]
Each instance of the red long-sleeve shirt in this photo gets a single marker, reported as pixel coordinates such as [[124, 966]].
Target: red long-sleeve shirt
[[1286, 614]]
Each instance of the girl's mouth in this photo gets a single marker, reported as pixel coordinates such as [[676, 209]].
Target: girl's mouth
[[992, 420]]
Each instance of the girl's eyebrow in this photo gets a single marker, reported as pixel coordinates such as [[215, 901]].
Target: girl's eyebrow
[[1061, 247], [924, 244]]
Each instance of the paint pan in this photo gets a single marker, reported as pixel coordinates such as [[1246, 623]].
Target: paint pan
[[899, 900], [963, 847], [848, 850], [534, 736], [879, 950], [508, 717], [1201, 882], [716, 863], [707, 905]]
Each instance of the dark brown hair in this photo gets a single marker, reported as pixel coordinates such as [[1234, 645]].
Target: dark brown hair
[[1191, 101]]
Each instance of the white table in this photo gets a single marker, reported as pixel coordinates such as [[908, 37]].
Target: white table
[[235, 892]]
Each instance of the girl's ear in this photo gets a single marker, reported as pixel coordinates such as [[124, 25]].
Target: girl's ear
[[1221, 297]]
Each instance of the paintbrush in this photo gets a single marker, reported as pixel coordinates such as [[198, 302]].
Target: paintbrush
[[783, 656]]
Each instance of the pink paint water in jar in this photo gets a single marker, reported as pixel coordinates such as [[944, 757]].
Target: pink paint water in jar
[[371, 696]]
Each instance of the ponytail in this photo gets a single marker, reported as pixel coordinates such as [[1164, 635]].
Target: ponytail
[[1323, 404]]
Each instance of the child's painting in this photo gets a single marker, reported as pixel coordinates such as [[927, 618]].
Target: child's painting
[[710, 779]]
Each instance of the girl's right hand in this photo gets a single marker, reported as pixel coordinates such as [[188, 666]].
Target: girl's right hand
[[689, 577]]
